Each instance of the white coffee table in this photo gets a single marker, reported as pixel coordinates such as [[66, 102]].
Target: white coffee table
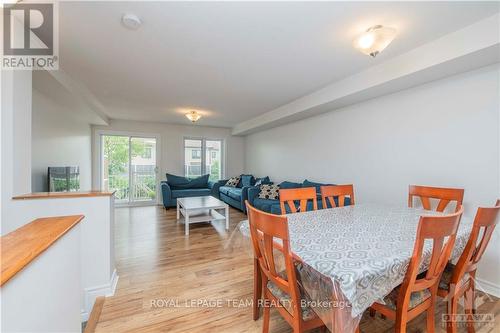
[[201, 209]]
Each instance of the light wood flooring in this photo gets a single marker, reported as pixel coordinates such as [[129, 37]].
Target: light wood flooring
[[160, 269]]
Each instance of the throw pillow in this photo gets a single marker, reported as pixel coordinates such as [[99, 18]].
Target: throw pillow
[[270, 192], [247, 180], [261, 181], [233, 181]]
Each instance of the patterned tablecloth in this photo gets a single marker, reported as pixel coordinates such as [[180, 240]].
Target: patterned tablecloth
[[364, 248]]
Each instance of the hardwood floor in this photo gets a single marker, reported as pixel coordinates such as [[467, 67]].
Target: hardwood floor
[[160, 269]]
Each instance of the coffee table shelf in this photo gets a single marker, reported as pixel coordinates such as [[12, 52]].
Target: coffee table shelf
[[201, 209]]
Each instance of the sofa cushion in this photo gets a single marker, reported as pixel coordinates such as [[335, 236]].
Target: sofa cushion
[[265, 204], [232, 192], [200, 182], [193, 192], [286, 184], [174, 180], [181, 183], [246, 180], [308, 183]]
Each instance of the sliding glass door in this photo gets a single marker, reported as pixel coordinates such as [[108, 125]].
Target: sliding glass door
[[129, 167]]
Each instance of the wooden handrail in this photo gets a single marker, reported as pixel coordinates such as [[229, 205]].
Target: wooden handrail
[[21, 246], [62, 195]]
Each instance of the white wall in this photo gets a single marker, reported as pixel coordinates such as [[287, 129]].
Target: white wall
[[59, 138], [98, 274], [444, 133], [16, 139], [45, 295], [172, 145]]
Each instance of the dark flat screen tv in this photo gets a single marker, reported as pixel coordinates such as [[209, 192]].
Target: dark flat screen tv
[[63, 179]]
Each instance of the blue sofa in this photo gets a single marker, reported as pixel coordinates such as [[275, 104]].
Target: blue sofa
[[181, 187], [273, 206], [236, 196]]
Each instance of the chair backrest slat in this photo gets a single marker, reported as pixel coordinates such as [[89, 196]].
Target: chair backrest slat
[[444, 195], [484, 224], [330, 192], [265, 230], [303, 195], [437, 229]]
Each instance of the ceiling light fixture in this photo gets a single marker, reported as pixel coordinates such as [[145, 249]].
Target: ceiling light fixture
[[193, 116], [374, 40], [131, 21]]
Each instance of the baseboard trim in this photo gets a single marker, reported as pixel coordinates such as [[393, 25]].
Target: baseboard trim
[[488, 287], [92, 293]]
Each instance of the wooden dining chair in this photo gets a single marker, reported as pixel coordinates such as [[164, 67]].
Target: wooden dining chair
[[443, 194], [281, 289], [341, 192], [459, 280], [302, 195], [417, 294]]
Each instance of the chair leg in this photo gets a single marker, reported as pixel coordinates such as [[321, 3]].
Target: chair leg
[[257, 289], [430, 317], [469, 310], [400, 323], [452, 308], [266, 318], [473, 287]]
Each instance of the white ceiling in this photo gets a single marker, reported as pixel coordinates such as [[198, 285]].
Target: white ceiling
[[234, 60]]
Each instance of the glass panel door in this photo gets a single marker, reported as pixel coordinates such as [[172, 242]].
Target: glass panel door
[[143, 169], [192, 157], [129, 168], [213, 159], [115, 166]]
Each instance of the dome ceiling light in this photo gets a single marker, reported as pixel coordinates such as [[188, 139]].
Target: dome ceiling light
[[193, 116], [131, 21], [374, 40]]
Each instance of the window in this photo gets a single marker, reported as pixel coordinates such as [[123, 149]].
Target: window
[[203, 156], [196, 154]]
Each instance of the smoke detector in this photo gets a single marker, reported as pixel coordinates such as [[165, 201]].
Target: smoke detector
[[131, 21]]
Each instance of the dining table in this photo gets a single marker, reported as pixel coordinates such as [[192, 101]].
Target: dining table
[[353, 256]]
